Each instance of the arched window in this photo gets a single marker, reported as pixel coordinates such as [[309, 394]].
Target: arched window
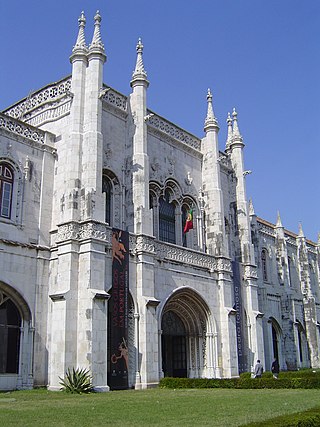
[[10, 323], [167, 220], [290, 270], [264, 265], [6, 186], [108, 190]]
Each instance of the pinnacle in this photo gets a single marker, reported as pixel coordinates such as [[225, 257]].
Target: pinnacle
[[210, 118], [139, 70]]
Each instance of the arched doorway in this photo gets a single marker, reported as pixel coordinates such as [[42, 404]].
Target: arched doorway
[[187, 341], [16, 340], [10, 324], [174, 361]]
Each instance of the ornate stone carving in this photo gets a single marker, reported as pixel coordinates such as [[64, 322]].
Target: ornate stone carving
[[21, 129], [250, 272], [85, 230], [115, 99], [174, 131], [44, 96]]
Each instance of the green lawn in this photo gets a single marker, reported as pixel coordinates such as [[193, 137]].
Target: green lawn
[[156, 407]]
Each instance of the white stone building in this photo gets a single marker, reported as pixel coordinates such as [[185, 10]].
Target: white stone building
[[77, 159]]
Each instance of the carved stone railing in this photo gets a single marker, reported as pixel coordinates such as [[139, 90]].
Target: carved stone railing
[[15, 126], [52, 93], [265, 229], [115, 99], [138, 244], [172, 131]]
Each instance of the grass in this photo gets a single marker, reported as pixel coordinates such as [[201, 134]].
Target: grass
[[155, 407]]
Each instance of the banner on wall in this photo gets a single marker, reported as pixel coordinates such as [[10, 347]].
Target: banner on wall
[[118, 312], [239, 315]]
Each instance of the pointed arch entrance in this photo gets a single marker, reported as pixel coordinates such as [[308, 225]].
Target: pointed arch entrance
[[187, 340]]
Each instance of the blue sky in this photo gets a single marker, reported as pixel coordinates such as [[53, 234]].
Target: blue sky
[[262, 57]]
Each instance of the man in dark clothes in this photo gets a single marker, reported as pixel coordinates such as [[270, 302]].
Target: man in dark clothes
[[275, 368]]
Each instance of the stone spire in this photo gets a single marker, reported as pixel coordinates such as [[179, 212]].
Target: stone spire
[[210, 120], [80, 47], [319, 239], [230, 131], [279, 223], [236, 133], [96, 44], [301, 233], [139, 71], [251, 208]]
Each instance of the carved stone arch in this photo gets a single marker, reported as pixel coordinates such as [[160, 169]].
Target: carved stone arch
[[16, 208], [189, 308], [110, 182], [17, 299], [174, 190], [155, 191]]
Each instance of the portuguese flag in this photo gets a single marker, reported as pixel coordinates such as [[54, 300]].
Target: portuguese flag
[[189, 222]]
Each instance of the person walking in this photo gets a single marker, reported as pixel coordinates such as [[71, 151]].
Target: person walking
[[275, 368], [258, 370]]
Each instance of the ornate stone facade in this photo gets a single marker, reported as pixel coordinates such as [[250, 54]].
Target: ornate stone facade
[[79, 159]]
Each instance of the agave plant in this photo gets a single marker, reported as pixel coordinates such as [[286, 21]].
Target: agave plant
[[77, 381]]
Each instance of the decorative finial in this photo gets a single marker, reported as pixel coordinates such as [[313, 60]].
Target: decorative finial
[[319, 238], [96, 39], [139, 70], [230, 132], [81, 41], [210, 119]]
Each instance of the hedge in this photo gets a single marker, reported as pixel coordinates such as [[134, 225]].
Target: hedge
[[306, 379], [309, 418]]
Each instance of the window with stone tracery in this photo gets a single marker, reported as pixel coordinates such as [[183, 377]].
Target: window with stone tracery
[[167, 219], [6, 187]]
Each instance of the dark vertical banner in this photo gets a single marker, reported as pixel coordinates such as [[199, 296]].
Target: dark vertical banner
[[239, 315], [118, 311]]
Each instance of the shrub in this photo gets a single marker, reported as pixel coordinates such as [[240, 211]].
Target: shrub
[[77, 381]]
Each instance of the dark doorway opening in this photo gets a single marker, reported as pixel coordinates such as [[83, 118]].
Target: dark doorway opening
[[174, 348]]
